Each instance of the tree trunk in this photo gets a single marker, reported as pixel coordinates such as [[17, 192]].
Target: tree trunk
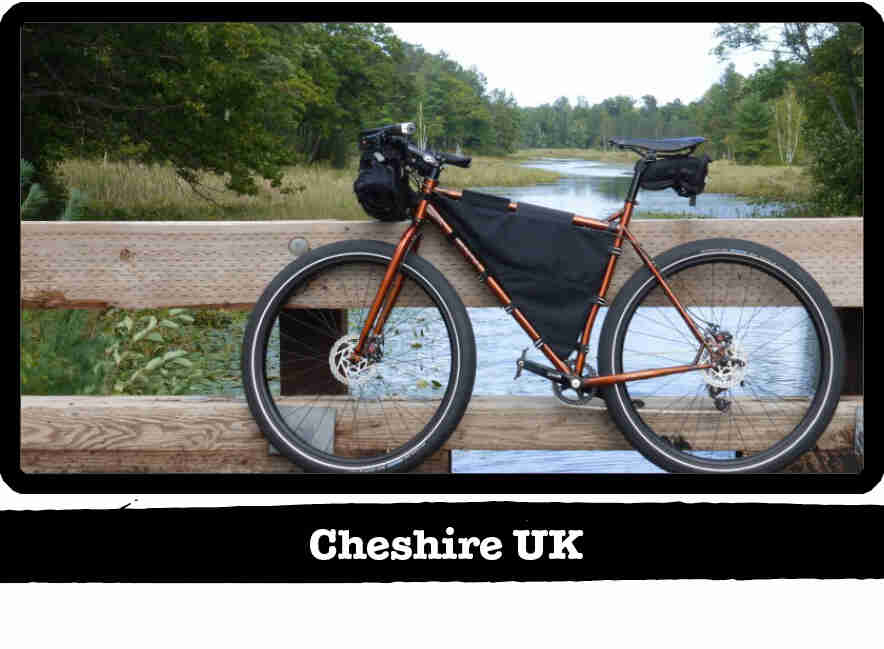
[[314, 155]]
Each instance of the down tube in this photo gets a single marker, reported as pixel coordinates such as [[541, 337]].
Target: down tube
[[434, 215]]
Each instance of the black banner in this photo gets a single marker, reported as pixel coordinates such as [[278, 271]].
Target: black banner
[[445, 542]]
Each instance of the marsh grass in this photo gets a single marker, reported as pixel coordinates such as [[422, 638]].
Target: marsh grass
[[579, 154], [129, 191], [771, 183]]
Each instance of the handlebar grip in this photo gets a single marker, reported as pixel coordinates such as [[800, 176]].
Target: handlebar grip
[[456, 160]]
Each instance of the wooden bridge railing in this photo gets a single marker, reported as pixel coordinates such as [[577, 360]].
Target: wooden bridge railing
[[227, 265]]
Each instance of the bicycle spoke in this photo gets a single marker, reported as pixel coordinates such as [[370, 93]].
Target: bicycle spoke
[[762, 401]]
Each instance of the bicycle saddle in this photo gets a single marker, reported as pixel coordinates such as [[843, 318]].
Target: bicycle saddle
[[668, 145]]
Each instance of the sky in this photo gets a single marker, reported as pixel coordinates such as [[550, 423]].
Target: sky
[[582, 59]]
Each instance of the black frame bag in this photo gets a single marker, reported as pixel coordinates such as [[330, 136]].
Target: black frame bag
[[685, 174], [551, 269]]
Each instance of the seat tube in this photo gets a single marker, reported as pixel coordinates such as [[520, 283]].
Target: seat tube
[[625, 215]]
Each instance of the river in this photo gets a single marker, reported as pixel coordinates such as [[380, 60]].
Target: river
[[597, 189]]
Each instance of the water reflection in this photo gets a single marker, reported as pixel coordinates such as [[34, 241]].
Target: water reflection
[[597, 189]]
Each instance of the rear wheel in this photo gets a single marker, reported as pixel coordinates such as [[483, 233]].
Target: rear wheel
[[385, 412], [771, 391]]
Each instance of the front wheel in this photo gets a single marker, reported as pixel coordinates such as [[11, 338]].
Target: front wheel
[[386, 411], [774, 384]]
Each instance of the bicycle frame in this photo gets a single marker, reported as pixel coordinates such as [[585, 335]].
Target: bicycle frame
[[617, 223]]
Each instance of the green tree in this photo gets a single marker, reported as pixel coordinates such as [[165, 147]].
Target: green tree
[[191, 94], [504, 120], [788, 121], [827, 72], [752, 121]]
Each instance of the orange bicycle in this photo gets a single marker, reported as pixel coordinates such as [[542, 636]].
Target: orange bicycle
[[718, 356]]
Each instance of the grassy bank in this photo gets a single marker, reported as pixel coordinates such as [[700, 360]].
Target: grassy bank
[[126, 191], [773, 183], [770, 183], [579, 154]]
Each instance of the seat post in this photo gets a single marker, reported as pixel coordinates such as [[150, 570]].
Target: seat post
[[637, 175]]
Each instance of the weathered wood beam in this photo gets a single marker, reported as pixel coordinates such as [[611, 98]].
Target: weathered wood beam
[[209, 434], [227, 264]]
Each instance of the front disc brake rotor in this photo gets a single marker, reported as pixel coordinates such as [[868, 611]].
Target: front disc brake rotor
[[345, 370]]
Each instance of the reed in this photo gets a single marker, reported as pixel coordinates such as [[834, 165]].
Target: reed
[[775, 183], [579, 154], [130, 191]]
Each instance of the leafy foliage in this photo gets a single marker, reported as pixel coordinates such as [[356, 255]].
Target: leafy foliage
[[190, 94], [837, 169], [242, 100], [752, 121], [246, 100], [35, 199], [59, 352], [142, 355], [824, 63]]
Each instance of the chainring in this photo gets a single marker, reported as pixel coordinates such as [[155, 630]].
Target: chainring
[[582, 397]]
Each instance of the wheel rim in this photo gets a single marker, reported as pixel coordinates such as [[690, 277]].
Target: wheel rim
[[767, 404], [377, 413]]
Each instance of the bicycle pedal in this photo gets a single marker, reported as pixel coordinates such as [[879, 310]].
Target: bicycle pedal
[[520, 364], [540, 370]]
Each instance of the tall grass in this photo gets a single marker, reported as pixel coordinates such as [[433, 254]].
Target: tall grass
[[128, 191], [579, 154], [774, 183]]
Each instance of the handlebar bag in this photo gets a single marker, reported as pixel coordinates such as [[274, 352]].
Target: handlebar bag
[[382, 187], [551, 269], [685, 174]]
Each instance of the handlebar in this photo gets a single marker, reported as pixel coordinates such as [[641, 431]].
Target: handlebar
[[423, 161], [435, 158]]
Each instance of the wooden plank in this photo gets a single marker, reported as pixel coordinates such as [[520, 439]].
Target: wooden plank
[[213, 432], [253, 460], [228, 263], [836, 460]]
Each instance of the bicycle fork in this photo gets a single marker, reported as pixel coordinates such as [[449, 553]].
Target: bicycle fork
[[391, 284]]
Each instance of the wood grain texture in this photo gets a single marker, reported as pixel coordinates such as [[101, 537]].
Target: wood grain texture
[[213, 434], [228, 263]]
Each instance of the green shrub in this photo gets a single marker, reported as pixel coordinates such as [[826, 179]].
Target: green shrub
[[144, 354], [59, 353], [38, 204], [836, 169]]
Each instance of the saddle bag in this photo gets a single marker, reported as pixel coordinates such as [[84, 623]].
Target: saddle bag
[[685, 174], [551, 269]]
